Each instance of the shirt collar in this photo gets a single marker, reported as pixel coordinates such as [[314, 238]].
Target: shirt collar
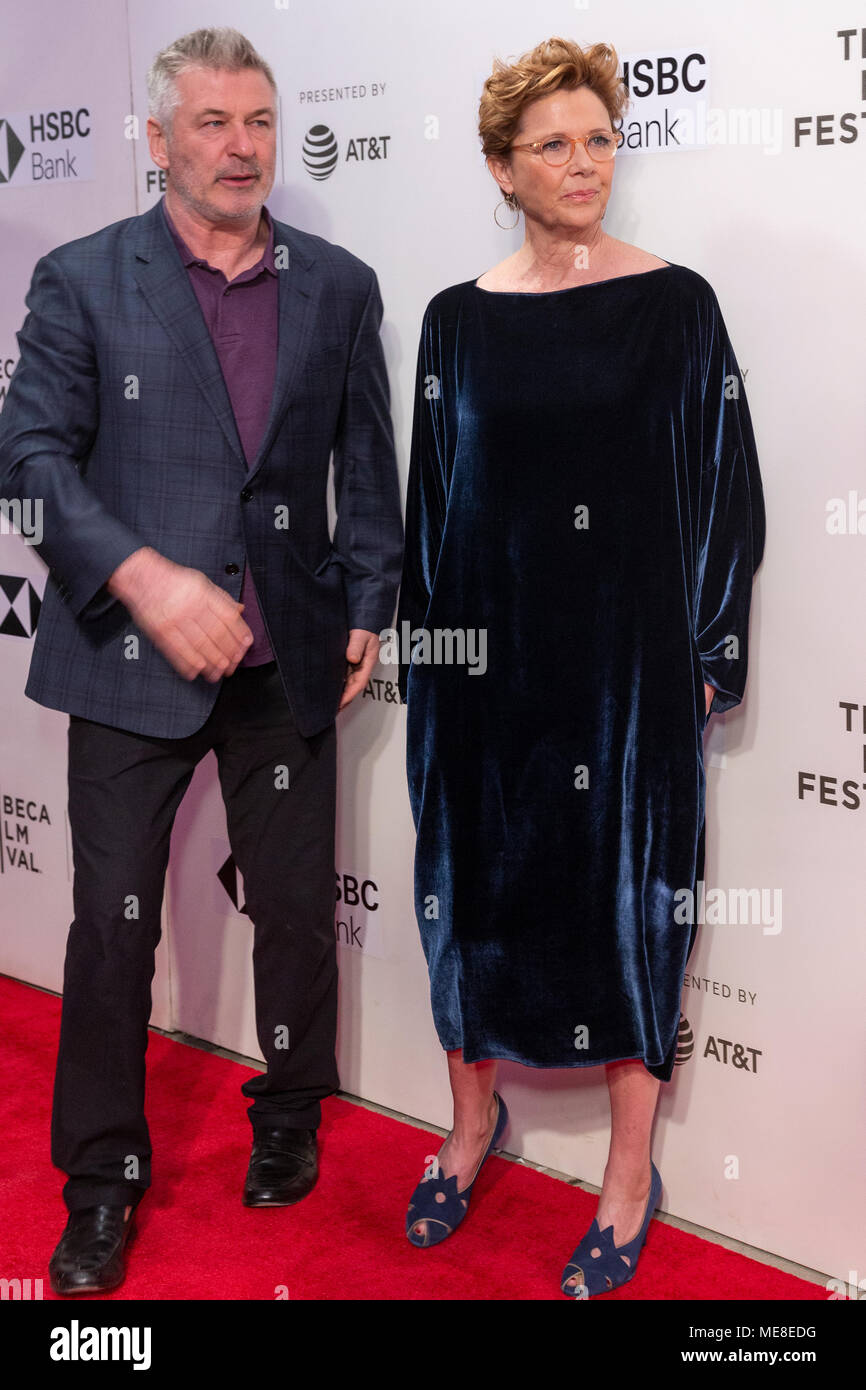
[[189, 258]]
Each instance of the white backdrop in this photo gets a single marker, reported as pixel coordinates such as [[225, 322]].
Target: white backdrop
[[767, 1105]]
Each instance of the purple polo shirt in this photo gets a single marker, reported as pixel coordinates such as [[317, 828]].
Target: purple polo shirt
[[242, 317]]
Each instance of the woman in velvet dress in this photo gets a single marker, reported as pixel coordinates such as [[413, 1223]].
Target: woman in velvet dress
[[584, 519]]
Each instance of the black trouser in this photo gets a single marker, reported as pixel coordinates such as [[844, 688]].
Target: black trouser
[[124, 791]]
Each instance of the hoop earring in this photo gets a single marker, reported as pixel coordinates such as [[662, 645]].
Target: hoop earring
[[509, 202]]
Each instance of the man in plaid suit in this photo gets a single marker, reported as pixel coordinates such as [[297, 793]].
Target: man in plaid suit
[[184, 378]]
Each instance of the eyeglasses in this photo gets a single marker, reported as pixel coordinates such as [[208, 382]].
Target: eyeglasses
[[560, 149]]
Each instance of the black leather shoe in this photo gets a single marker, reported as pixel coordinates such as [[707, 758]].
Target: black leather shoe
[[89, 1255], [283, 1167]]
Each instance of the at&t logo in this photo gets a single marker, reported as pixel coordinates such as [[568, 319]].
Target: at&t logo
[[321, 152]]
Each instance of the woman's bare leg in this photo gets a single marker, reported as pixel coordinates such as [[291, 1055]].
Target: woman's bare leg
[[633, 1098], [474, 1120]]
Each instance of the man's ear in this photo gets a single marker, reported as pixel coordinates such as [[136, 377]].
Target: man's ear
[[157, 143]]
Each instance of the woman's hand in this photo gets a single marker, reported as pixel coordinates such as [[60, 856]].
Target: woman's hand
[[709, 692]]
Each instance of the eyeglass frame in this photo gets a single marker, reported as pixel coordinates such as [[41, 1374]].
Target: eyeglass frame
[[578, 140]]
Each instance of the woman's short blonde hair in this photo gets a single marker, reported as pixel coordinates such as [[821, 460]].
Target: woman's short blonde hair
[[551, 66]]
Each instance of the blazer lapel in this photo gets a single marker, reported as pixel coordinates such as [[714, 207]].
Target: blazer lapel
[[298, 290], [164, 282]]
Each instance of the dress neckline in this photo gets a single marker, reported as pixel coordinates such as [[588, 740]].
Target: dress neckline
[[569, 289]]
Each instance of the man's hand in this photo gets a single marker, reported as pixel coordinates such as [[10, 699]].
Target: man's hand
[[362, 654], [194, 623]]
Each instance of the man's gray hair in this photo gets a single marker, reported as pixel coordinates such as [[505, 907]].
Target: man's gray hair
[[222, 48]]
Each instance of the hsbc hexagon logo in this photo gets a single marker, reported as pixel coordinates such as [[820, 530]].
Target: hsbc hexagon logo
[[19, 606], [11, 150]]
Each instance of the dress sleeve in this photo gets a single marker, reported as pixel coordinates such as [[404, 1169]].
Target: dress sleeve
[[426, 491], [731, 522]]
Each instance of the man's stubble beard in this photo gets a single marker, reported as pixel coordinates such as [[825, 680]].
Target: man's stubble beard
[[175, 177]]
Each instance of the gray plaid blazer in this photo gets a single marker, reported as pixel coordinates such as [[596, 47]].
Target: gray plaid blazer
[[118, 464]]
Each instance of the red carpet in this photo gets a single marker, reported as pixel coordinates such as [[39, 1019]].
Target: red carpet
[[344, 1241]]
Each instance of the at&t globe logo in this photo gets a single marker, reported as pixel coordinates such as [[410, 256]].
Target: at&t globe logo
[[320, 152]]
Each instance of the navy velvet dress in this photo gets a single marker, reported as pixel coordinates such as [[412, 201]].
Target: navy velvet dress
[[585, 508]]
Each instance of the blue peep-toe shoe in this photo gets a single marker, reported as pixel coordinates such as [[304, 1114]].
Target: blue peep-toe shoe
[[436, 1199], [608, 1270]]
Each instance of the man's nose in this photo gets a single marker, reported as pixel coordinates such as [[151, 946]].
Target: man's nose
[[239, 141]]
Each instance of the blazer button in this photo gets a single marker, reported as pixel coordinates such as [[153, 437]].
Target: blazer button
[[232, 569], [246, 494]]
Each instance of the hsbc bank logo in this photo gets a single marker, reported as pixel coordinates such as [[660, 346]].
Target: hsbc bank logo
[[229, 877], [38, 147], [19, 606], [356, 922], [11, 150], [321, 151], [357, 900]]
